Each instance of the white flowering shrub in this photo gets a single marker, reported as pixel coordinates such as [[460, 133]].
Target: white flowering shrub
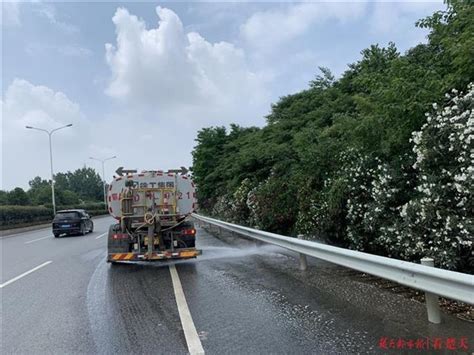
[[372, 191], [419, 206], [273, 205], [310, 216], [252, 202], [222, 208], [360, 173], [324, 216], [240, 209], [439, 222]]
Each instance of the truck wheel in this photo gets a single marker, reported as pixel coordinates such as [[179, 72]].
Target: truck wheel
[[83, 230], [92, 227], [189, 241], [57, 235]]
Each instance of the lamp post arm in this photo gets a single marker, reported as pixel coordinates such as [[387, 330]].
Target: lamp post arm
[[57, 129]]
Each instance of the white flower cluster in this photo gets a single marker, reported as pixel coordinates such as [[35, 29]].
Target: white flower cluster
[[428, 212], [254, 207], [239, 207], [439, 222], [372, 205], [222, 207]]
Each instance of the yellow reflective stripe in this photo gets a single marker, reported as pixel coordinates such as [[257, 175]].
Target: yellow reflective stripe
[[116, 256], [128, 256], [186, 254]]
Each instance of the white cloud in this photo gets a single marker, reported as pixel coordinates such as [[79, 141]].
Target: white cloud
[[50, 13], [178, 72], [11, 14], [277, 26], [25, 153], [391, 17], [26, 103]]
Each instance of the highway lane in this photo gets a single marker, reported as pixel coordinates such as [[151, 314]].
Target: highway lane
[[26, 250], [242, 299]]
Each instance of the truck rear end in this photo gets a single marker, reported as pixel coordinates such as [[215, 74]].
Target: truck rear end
[[152, 210]]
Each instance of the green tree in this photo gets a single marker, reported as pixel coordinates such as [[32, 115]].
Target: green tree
[[38, 182], [85, 182], [40, 195], [68, 198], [452, 40], [61, 181], [206, 155], [3, 197], [18, 196]]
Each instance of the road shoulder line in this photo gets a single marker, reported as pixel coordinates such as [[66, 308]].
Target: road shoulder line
[[190, 333], [37, 239]]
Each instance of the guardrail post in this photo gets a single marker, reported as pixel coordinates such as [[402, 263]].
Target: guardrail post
[[303, 261], [432, 301]]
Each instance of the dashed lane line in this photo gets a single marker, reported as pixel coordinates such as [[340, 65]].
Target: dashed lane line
[[35, 240], [190, 333], [100, 236], [24, 274]]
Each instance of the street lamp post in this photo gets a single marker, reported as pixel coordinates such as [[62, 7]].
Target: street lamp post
[[103, 174], [50, 133]]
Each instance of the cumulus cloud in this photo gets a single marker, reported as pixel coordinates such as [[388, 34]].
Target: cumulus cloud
[[25, 153], [26, 103], [277, 26], [172, 70]]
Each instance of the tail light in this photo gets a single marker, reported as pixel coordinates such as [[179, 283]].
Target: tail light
[[120, 236], [190, 231]]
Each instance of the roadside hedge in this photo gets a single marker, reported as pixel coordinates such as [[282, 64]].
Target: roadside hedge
[[13, 215], [22, 215], [88, 206]]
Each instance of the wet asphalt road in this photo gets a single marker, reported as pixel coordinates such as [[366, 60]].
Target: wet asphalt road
[[243, 299]]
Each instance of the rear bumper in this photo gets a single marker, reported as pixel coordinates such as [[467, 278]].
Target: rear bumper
[[71, 230], [166, 255]]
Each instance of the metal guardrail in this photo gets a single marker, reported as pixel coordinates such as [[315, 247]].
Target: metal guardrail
[[434, 281]]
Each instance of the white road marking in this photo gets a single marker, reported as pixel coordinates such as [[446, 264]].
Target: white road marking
[[190, 333], [21, 234], [24, 274], [100, 236], [35, 240]]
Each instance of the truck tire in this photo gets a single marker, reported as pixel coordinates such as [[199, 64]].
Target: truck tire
[[57, 235], [92, 227], [83, 229], [189, 241]]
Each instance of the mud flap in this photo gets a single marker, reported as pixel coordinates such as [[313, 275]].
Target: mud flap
[[116, 245]]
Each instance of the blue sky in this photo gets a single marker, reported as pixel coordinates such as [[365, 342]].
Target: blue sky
[[138, 80]]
